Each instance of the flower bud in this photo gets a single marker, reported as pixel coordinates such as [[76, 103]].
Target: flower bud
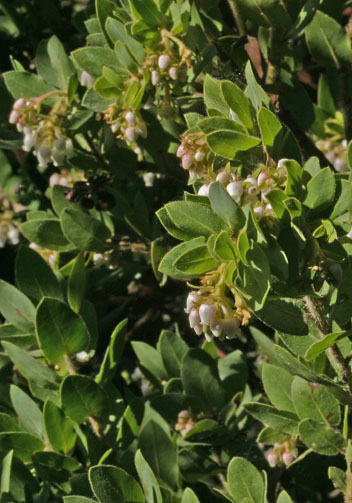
[[258, 211], [82, 357], [173, 72], [115, 127], [268, 209], [54, 179], [198, 329], [235, 189], [192, 301], [60, 145], [223, 177], [230, 327], [149, 179], [58, 157], [44, 156], [187, 161], [340, 165], [130, 118], [204, 190], [216, 327], [207, 313], [87, 79], [13, 235], [263, 176], [181, 150], [194, 318], [14, 116], [330, 157], [163, 61], [130, 134], [272, 458], [28, 142], [199, 155], [155, 77], [208, 337], [287, 457], [69, 148], [183, 415], [20, 103]]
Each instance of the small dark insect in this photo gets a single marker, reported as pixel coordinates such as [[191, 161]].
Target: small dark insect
[[92, 193]]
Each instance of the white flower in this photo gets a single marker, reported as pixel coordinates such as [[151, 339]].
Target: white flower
[[235, 189], [287, 457], [216, 327], [187, 161], [13, 235], [155, 77], [20, 103], [173, 72], [14, 116], [204, 190], [82, 357], [130, 134], [194, 318], [223, 177], [207, 313], [44, 156], [192, 301], [199, 155], [148, 179], [181, 150], [340, 165], [130, 118], [69, 148], [28, 142], [272, 458]]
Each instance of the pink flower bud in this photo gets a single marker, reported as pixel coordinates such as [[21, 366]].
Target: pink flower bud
[[173, 72], [263, 176], [181, 150], [235, 189], [155, 77], [163, 61], [222, 177], [272, 459], [14, 116], [20, 103], [199, 155], [130, 134], [207, 313], [194, 318], [187, 161], [130, 118], [287, 457]]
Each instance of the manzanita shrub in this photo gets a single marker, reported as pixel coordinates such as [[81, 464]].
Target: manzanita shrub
[[183, 167]]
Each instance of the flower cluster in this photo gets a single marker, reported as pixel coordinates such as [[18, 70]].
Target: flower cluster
[[195, 155], [44, 134], [283, 453], [165, 67], [335, 152], [212, 317], [252, 189], [126, 124], [184, 422]]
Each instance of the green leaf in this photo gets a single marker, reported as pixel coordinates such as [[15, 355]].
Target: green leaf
[[166, 265], [113, 353], [244, 482], [320, 438], [8, 423], [23, 445], [158, 450], [25, 84], [194, 219], [60, 330], [271, 436], [228, 143], [77, 283], [113, 485], [34, 276], [284, 498], [150, 359], [256, 276], [314, 402], [216, 123], [224, 247], [116, 31], [328, 42], [15, 307], [60, 63], [172, 349], [42, 380], [283, 316], [29, 415], [104, 9], [93, 59], [59, 428], [201, 381], [147, 11], [189, 496], [238, 103], [59, 201], [269, 126], [225, 207], [213, 96], [320, 346], [338, 478], [77, 499], [283, 421], [320, 190], [82, 397], [84, 231], [54, 467], [148, 480], [46, 233], [280, 396], [254, 92], [196, 261], [233, 373], [303, 19]]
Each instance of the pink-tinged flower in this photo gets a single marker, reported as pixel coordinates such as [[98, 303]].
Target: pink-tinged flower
[[207, 313], [198, 329], [181, 150], [155, 77], [287, 457], [194, 318], [187, 161], [173, 72], [163, 61], [272, 458], [20, 103], [130, 118], [263, 176], [14, 116]]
